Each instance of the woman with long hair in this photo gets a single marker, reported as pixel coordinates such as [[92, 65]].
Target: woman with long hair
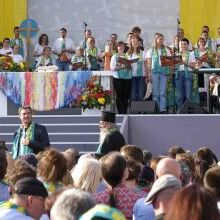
[[157, 73], [137, 69], [115, 172], [87, 175], [43, 42]]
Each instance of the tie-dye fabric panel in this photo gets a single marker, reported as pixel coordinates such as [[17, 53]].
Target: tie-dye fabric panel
[[43, 90]]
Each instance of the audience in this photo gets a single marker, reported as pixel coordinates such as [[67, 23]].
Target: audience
[[87, 175], [114, 171], [161, 193], [27, 201], [71, 204], [193, 202], [52, 169], [4, 189], [212, 182]]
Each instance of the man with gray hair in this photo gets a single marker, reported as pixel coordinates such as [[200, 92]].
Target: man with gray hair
[[161, 194], [71, 204], [110, 137]]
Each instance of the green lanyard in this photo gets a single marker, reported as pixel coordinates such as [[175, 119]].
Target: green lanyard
[[10, 205]]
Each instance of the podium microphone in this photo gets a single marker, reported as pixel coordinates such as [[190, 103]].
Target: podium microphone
[[85, 24]]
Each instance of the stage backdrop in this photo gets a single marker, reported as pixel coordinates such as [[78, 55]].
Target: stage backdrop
[[105, 17], [194, 14], [12, 13]]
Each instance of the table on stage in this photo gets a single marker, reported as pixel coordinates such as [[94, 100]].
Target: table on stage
[[46, 90]]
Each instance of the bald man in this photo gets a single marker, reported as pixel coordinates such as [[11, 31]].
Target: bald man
[[168, 166]]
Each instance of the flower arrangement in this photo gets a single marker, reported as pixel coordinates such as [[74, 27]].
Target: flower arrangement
[[93, 95], [7, 64]]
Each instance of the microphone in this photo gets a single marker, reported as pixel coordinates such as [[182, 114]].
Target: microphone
[[85, 24], [178, 21]]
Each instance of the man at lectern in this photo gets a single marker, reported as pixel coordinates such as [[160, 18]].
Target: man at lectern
[[30, 137]]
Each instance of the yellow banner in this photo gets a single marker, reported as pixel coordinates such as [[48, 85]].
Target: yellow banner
[[194, 14], [12, 12]]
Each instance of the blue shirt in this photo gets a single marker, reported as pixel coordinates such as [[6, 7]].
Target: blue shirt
[[142, 211]]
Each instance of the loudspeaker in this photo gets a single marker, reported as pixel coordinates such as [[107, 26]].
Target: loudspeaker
[[143, 107], [191, 108]]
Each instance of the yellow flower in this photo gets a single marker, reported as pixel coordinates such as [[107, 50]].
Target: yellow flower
[[84, 97], [21, 64], [101, 101]]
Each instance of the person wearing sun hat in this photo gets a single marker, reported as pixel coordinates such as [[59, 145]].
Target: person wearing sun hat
[[161, 194], [27, 201], [110, 137]]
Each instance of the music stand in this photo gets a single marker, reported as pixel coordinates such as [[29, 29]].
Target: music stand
[[85, 45], [171, 61]]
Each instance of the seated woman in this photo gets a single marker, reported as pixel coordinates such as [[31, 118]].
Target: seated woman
[[17, 58], [87, 175], [52, 170], [78, 60], [46, 59], [117, 195], [93, 54], [6, 49]]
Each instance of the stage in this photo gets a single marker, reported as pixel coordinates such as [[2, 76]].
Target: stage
[[153, 132]]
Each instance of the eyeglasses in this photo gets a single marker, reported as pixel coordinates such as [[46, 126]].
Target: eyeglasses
[[7, 42]]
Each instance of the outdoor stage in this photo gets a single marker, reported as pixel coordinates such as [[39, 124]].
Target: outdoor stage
[[68, 128]]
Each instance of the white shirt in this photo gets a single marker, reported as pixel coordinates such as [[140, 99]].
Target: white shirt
[[13, 214], [113, 64], [39, 50], [47, 61], [150, 53], [5, 51], [58, 45], [192, 59], [17, 58], [24, 46], [217, 42], [213, 45], [134, 65]]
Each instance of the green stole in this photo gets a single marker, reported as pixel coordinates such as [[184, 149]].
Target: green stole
[[93, 57], [52, 187], [139, 66], [23, 149], [43, 62], [122, 73], [77, 59], [10, 205], [13, 42], [111, 130], [156, 67]]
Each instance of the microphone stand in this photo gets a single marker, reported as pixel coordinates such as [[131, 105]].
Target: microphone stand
[[85, 45], [174, 65]]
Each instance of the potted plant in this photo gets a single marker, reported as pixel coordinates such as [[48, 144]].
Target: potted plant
[[94, 96]]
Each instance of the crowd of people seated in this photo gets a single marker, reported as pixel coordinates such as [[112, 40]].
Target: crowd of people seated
[[133, 63], [130, 184]]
